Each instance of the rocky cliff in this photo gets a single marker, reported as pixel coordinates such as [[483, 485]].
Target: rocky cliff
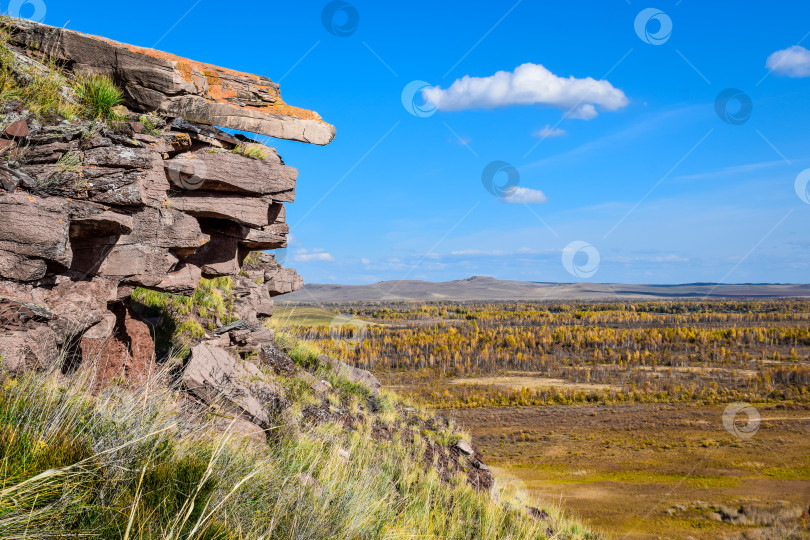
[[123, 224], [156, 197]]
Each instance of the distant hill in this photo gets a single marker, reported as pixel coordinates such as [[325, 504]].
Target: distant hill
[[487, 288]]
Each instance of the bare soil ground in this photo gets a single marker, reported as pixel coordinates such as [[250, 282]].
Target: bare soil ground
[[656, 470]]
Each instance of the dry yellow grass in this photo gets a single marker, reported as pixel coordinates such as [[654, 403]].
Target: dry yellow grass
[[532, 381]]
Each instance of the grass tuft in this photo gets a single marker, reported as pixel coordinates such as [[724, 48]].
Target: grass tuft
[[252, 151], [99, 95]]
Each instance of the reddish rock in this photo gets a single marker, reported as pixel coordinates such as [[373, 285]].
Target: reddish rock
[[17, 130], [35, 227], [183, 281], [141, 363], [5, 144], [162, 82], [112, 353], [232, 173], [21, 268], [31, 349], [236, 385], [254, 212]]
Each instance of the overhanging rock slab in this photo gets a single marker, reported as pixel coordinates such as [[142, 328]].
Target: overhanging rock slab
[[162, 82]]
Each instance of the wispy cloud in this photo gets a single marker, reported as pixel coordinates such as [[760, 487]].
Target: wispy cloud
[[528, 84], [305, 255], [792, 62], [730, 171], [522, 195], [548, 132], [665, 120]]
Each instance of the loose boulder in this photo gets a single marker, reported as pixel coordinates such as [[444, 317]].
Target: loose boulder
[[237, 386]]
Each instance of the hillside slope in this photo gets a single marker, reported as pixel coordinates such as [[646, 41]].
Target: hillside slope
[[487, 288]]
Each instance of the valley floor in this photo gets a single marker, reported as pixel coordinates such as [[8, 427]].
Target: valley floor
[[655, 470]]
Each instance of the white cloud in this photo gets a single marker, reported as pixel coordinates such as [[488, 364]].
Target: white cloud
[[529, 84], [304, 255], [522, 195], [548, 132], [793, 62], [583, 112], [365, 261]]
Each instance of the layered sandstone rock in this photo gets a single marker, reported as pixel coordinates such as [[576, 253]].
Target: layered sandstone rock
[[159, 81], [90, 210]]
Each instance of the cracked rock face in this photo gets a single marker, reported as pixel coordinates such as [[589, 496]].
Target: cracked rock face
[[91, 210]]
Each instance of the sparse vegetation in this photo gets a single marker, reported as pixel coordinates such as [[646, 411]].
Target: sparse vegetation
[[183, 320], [150, 125], [69, 162], [252, 151], [645, 352], [43, 88], [606, 404], [135, 463], [99, 95]]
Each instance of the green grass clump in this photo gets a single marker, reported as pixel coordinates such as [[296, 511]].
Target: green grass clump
[[252, 151], [183, 319], [99, 95], [189, 330], [305, 355]]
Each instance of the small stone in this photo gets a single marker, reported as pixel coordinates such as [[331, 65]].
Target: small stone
[[536, 513], [480, 465], [465, 448], [17, 130]]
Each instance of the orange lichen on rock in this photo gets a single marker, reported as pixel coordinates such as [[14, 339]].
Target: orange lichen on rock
[[159, 81]]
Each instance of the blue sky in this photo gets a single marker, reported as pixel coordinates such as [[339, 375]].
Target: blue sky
[[630, 177]]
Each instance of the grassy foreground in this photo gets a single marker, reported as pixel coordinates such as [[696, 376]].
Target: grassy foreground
[[131, 464]]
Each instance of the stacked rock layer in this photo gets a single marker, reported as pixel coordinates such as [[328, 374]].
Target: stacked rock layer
[[91, 210]]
